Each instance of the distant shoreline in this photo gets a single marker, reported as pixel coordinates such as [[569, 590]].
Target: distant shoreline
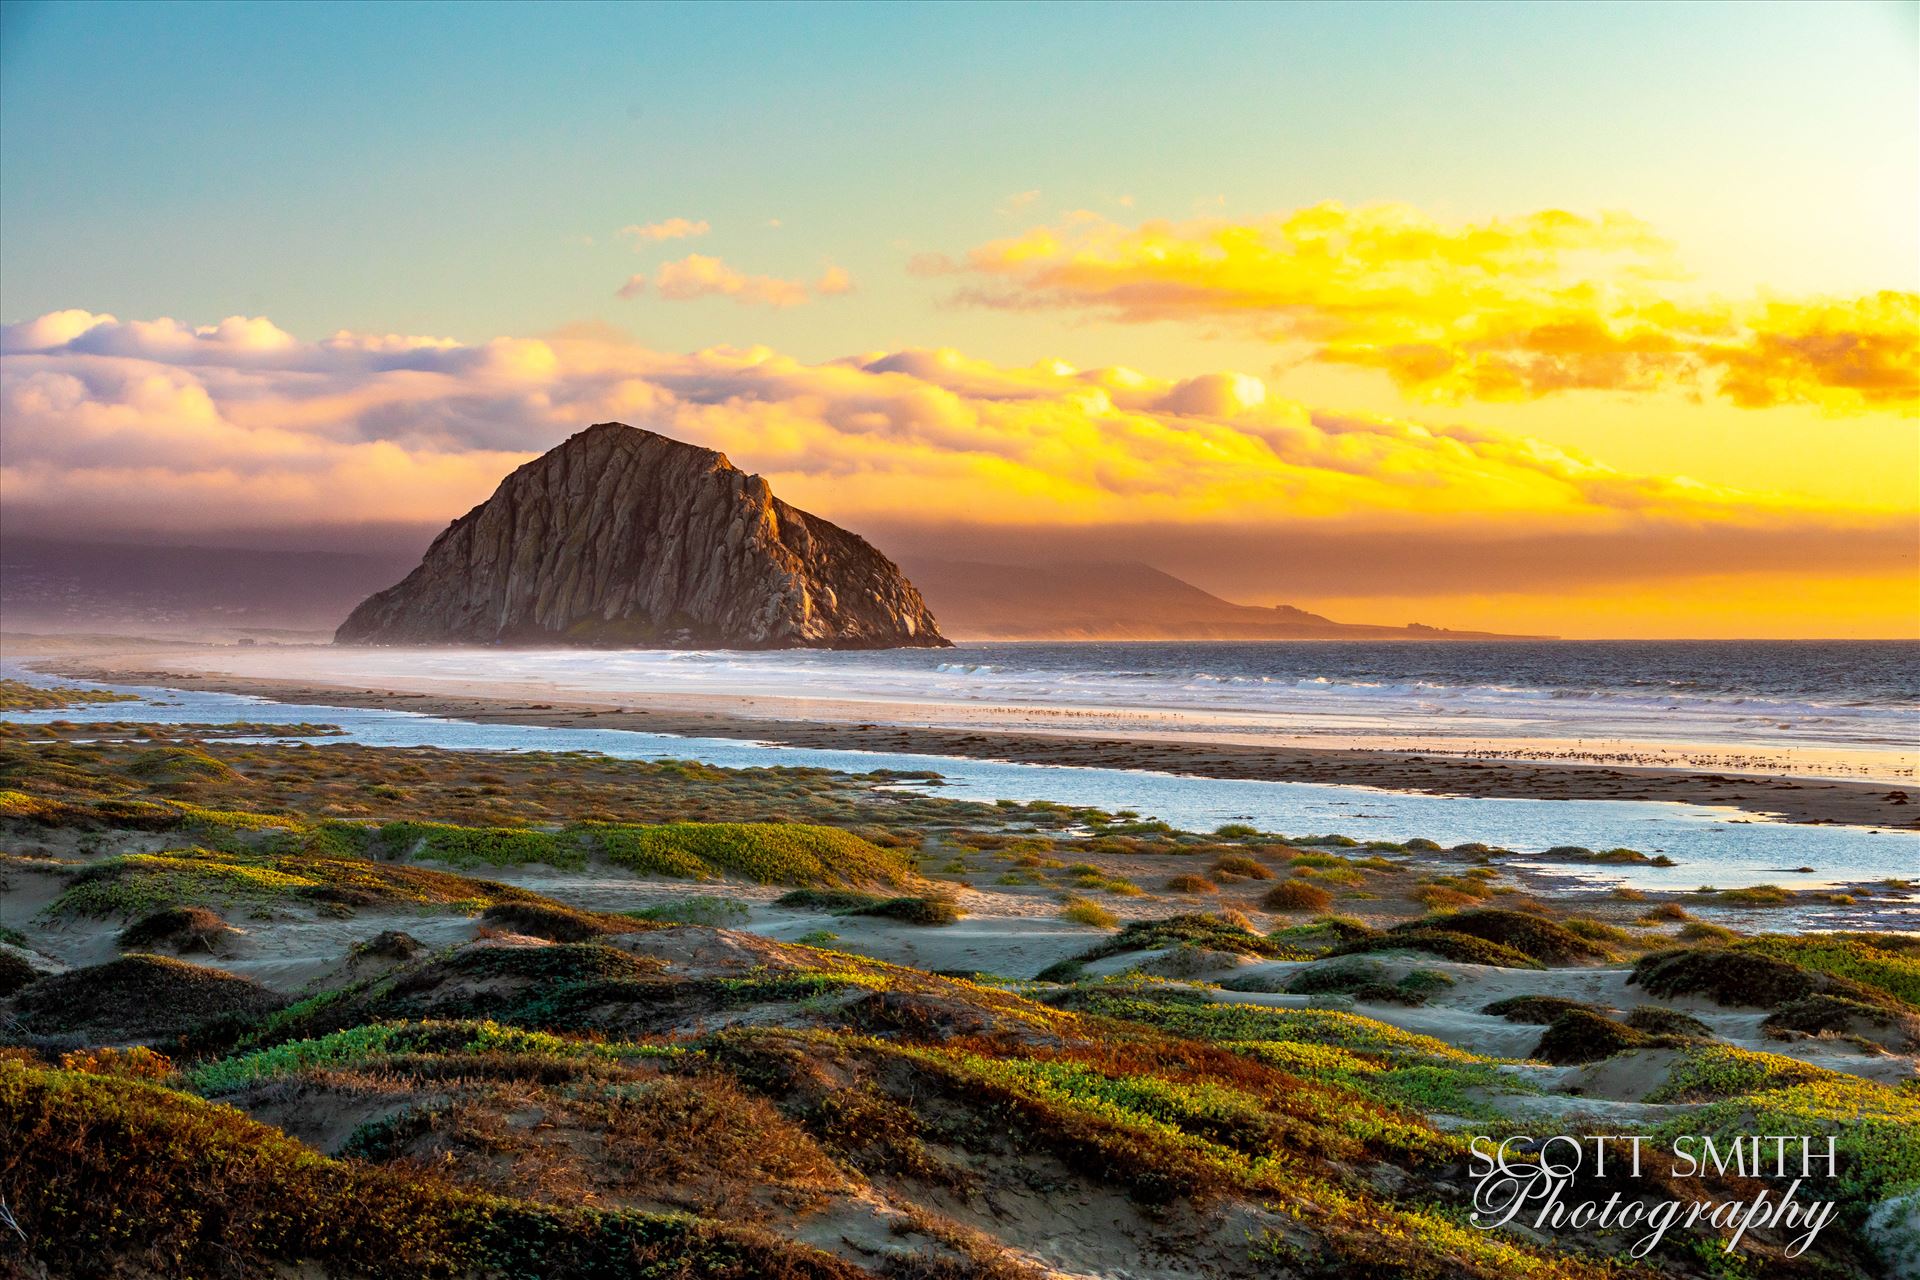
[[859, 727]]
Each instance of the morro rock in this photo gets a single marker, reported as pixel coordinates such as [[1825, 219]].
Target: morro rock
[[622, 538]]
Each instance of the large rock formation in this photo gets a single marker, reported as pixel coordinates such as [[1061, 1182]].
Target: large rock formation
[[622, 538]]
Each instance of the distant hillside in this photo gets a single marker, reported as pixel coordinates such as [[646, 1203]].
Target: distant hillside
[[1121, 601], [66, 586], [56, 585]]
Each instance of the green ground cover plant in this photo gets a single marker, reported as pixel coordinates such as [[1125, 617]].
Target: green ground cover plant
[[18, 695], [1711, 1073]]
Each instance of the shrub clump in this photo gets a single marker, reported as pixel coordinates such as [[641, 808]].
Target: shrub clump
[[918, 910], [1709, 1073], [1581, 1036], [1461, 948], [138, 997], [555, 922], [1190, 883], [1082, 911], [1368, 982], [173, 766], [15, 973], [929, 910], [1543, 940], [1539, 1011], [1296, 895], [1731, 977], [177, 929], [1194, 931], [1487, 935], [1888, 963], [1656, 1021], [1239, 864], [791, 853], [1824, 1014]]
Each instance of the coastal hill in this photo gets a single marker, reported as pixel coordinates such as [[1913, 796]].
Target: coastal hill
[[1125, 601], [621, 537]]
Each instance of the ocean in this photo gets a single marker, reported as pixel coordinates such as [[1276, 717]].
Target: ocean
[[1844, 708]]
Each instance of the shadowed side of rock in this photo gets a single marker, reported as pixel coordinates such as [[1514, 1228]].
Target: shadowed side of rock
[[623, 538]]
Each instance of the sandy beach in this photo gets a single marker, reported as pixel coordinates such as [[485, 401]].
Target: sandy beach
[[1508, 770]]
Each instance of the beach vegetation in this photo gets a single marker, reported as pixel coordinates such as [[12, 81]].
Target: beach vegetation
[[1367, 981], [18, 695], [1771, 973], [925, 910], [1757, 895], [1580, 1035], [1533, 939], [1239, 864], [1538, 1010], [1084, 911], [1888, 963], [1296, 895], [134, 997], [555, 922], [177, 929], [204, 1186], [1658, 1021], [15, 973], [1709, 1073], [765, 852], [1876, 1130]]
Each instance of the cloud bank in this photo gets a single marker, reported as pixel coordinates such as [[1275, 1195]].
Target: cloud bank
[[155, 428], [1507, 309]]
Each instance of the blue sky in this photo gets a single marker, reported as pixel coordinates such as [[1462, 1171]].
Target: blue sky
[[437, 168]]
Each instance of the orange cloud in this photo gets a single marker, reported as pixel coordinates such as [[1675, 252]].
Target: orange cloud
[[1505, 309], [671, 229], [129, 428], [100, 412], [699, 276]]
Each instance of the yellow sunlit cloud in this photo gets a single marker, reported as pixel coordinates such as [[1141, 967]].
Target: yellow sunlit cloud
[[121, 427], [1506, 309]]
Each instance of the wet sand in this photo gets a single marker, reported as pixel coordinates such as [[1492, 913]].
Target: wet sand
[[840, 726]]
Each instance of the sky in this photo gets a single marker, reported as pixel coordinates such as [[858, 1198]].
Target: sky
[[1597, 320]]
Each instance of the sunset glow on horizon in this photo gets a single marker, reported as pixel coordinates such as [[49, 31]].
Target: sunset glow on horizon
[[1368, 350]]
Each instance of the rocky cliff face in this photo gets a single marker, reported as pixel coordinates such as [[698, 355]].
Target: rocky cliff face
[[623, 538]]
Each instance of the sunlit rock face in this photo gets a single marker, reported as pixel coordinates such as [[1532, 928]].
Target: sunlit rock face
[[619, 537]]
